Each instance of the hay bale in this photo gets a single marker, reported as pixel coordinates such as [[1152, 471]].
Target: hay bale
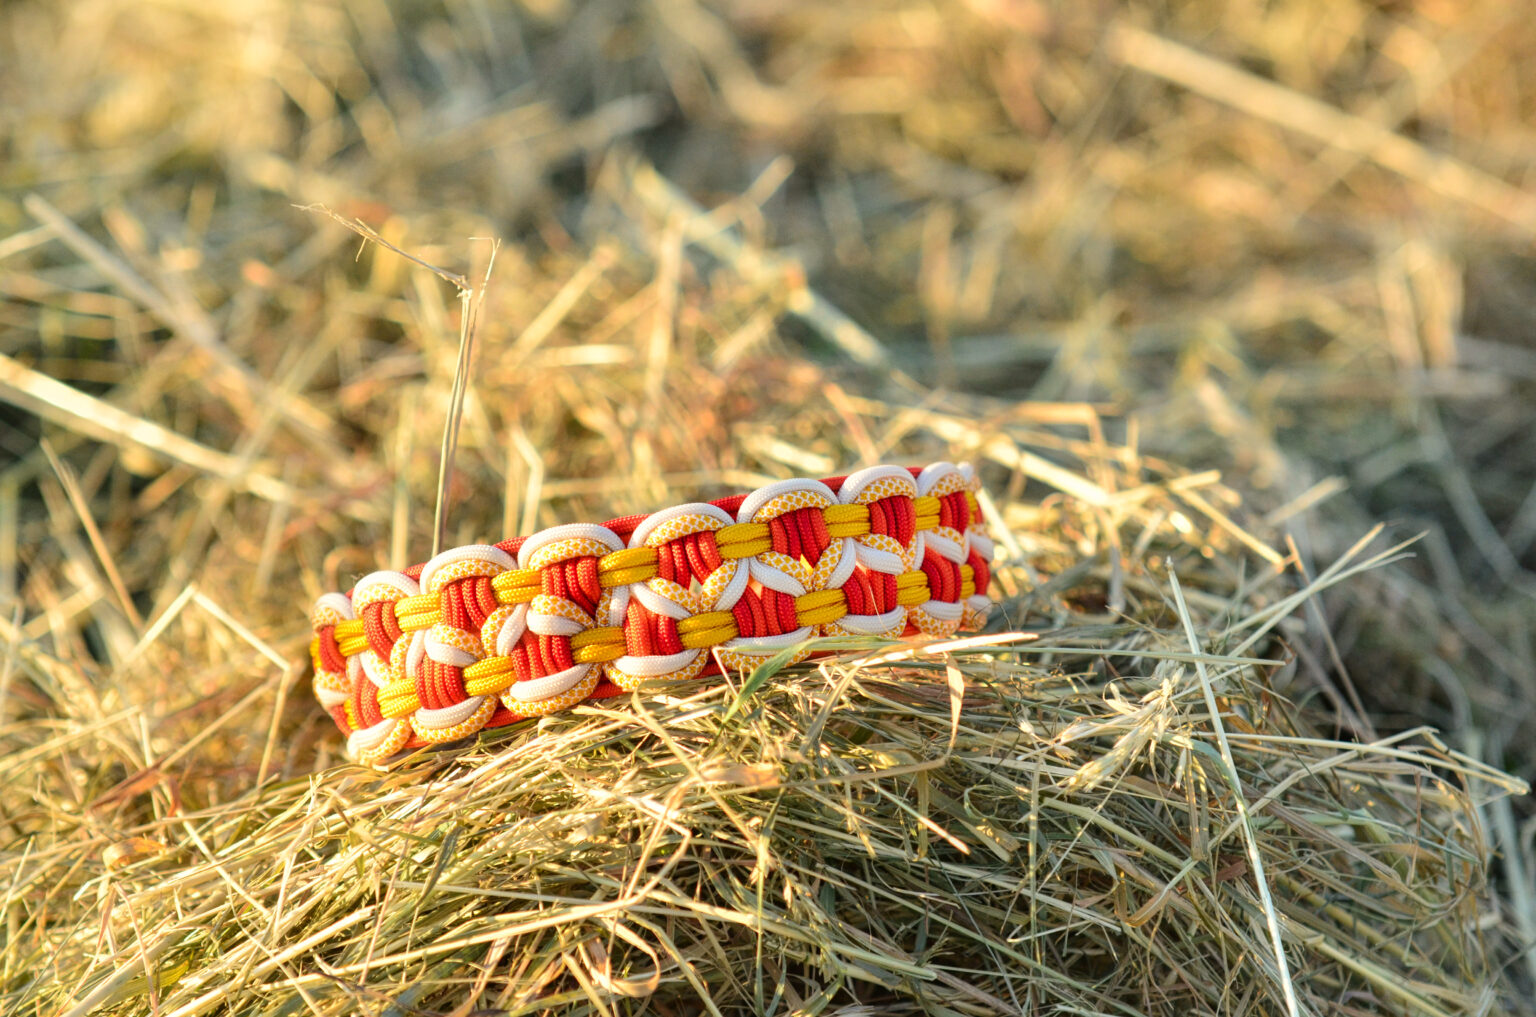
[[1049, 816]]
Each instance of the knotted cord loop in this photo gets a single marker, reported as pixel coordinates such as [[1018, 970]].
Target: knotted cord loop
[[487, 634]]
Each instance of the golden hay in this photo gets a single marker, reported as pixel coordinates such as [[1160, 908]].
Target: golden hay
[[1207, 290]]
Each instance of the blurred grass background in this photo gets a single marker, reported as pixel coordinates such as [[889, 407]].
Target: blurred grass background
[[1291, 241]]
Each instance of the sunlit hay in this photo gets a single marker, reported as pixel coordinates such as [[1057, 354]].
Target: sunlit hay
[[743, 242], [1040, 817]]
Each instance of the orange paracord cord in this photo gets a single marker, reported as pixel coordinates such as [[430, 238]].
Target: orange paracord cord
[[488, 634]]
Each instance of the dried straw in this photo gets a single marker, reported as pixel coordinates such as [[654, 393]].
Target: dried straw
[[1208, 295]]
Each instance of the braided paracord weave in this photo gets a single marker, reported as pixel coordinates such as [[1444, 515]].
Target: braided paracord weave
[[485, 635]]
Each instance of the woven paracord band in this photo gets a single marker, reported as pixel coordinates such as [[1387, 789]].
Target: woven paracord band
[[489, 634]]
